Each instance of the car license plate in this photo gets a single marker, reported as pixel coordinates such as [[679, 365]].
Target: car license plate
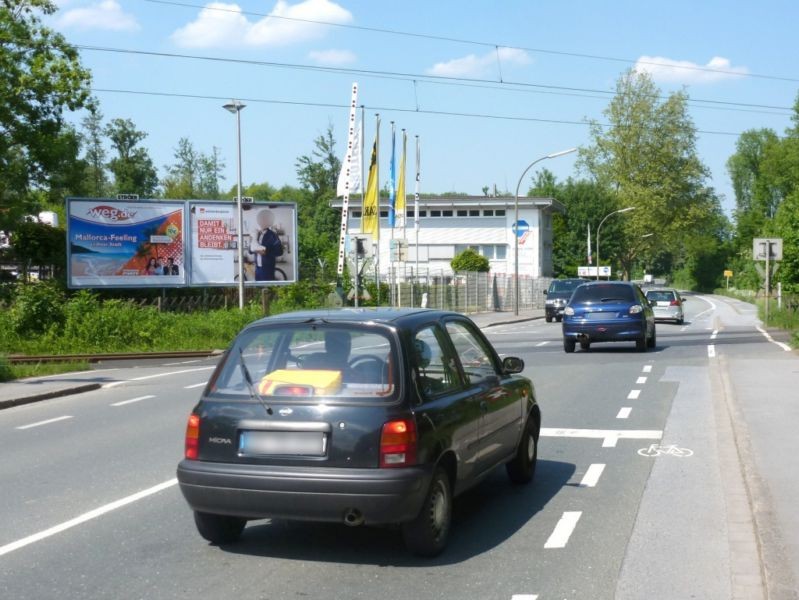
[[664, 303], [600, 316], [283, 443]]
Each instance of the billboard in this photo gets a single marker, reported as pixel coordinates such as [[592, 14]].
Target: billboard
[[125, 243], [270, 243]]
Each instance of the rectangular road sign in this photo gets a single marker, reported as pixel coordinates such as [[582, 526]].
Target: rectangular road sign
[[762, 245], [727, 273], [585, 271]]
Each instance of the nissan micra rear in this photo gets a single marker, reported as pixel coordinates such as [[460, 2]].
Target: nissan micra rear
[[359, 417]]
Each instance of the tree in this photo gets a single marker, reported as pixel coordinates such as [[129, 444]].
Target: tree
[[132, 167], [647, 158], [39, 245], [469, 261], [95, 154], [41, 78]]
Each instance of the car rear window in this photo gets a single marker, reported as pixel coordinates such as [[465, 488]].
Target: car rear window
[[660, 295], [302, 361], [607, 292], [563, 286]]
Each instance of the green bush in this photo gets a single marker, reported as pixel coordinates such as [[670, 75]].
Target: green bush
[[37, 307], [470, 261], [5, 369]]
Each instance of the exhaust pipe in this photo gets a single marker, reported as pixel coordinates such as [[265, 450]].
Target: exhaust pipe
[[353, 517]]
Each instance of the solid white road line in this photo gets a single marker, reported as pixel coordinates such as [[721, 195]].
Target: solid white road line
[[591, 477], [711, 351], [714, 334], [92, 514], [48, 421], [609, 437], [131, 401], [145, 377], [194, 385], [633, 395], [712, 308], [647, 368], [563, 530], [624, 412], [538, 345], [640, 381], [183, 362], [765, 333]]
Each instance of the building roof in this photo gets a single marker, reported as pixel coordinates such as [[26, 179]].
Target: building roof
[[470, 202]]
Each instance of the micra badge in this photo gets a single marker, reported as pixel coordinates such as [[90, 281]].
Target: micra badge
[[285, 412]]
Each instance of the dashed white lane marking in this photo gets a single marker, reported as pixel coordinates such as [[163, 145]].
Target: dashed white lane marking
[[194, 385], [714, 334], [609, 437], [711, 351], [647, 368], [624, 412], [765, 333], [131, 401], [92, 514], [591, 477], [47, 422], [524, 597], [145, 377], [640, 381], [683, 329], [563, 530], [633, 395], [538, 345]]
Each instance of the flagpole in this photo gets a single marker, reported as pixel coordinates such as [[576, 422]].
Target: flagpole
[[416, 206], [392, 214], [377, 176]]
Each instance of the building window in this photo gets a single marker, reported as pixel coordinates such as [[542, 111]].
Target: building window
[[435, 213], [383, 214], [474, 213], [501, 252], [356, 214], [446, 213], [409, 213], [422, 213], [488, 213], [462, 213], [487, 251], [500, 212]]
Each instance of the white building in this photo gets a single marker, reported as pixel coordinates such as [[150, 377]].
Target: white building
[[449, 225]]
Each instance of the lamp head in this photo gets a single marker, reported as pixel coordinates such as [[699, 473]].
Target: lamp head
[[233, 106]]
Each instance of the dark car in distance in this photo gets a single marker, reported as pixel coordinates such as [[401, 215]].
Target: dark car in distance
[[356, 416], [608, 311], [558, 294]]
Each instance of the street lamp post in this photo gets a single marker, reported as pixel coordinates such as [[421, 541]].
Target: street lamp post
[[234, 106], [516, 225], [615, 212]]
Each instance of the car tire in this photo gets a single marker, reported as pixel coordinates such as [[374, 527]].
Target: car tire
[[549, 319], [521, 469], [653, 340], [219, 529], [427, 534], [559, 319], [568, 345], [585, 346], [680, 321], [641, 344]]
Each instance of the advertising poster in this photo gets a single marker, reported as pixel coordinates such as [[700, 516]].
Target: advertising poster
[[270, 243], [125, 243]]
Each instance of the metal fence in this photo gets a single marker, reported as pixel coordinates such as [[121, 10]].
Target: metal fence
[[464, 292]]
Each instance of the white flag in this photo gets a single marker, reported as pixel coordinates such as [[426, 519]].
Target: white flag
[[589, 244], [355, 167]]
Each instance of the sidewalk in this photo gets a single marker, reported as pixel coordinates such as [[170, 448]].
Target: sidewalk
[[35, 389]]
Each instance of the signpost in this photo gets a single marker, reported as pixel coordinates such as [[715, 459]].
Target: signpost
[[768, 250], [585, 271], [728, 274]]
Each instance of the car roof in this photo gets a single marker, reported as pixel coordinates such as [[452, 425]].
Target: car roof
[[591, 283], [387, 315], [660, 289]]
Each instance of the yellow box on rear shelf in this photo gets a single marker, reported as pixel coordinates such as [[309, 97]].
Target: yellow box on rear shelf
[[320, 382]]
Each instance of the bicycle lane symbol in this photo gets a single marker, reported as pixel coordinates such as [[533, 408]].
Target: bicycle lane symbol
[[669, 450]]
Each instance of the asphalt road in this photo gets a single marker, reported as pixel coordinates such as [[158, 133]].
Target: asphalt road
[[90, 507]]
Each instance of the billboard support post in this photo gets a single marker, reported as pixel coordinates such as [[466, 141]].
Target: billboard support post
[[234, 106]]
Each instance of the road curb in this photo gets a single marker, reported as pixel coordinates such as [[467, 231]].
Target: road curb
[[522, 320], [78, 389]]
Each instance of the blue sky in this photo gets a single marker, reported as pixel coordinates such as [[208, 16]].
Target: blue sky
[[743, 39]]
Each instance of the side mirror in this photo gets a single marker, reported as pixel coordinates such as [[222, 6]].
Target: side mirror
[[545, 292], [512, 364]]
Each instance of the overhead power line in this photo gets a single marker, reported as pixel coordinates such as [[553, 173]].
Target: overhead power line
[[375, 108], [401, 76], [484, 44]]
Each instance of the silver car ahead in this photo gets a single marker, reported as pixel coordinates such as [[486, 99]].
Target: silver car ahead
[[666, 304]]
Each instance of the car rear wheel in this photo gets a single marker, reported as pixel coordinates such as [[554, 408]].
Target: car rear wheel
[[641, 344], [219, 529], [522, 468], [568, 345], [680, 321], [427, 534], [653, 340], [558, 319], [585, 345], [549, 319]]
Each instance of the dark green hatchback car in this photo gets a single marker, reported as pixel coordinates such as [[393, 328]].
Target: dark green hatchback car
[[358, 416]]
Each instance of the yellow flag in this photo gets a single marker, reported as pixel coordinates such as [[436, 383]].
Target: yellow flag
[[369, 217], [399, 202]]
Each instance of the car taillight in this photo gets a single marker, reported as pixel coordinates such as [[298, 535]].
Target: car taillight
[[674, 303], [192, 437], [398, 444], [635, 309]]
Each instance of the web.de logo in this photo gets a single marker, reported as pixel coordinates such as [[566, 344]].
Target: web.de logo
[[109, 213]]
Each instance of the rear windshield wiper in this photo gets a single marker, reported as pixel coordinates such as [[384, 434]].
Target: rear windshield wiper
[[612, 298], [254, 395]]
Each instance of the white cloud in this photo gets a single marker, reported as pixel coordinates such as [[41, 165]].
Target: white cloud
[[472, 65], [668, 70], [333, 57], [106, 14], [220, 24]]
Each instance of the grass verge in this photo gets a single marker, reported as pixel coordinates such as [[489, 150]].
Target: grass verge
[[9, 372]]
